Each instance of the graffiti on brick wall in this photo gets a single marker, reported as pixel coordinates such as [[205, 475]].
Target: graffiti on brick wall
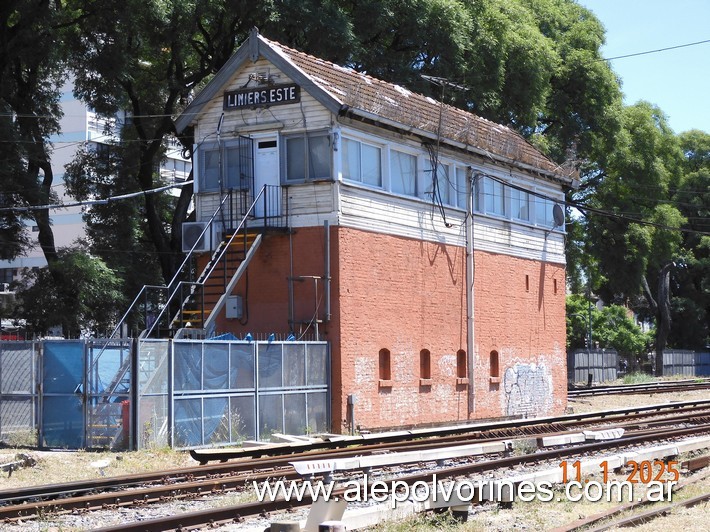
[[527, 390]]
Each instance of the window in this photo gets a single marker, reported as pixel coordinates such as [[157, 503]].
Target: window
[[234, 158], [424, 364], [461, 370], [520, 204], [403, 173], [543, 212], [461, 188], [491, 196], [385, 368], [307, 157], [442, 182], [209, 170], [494, 366], [527, 283], [362, 162], [7, 275]]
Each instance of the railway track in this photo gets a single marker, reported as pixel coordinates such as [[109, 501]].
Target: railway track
[[236, 513], [644, 388], [643, 422]]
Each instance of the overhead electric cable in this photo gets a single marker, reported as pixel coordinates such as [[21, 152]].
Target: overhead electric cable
[[103, 201], [655, 51]]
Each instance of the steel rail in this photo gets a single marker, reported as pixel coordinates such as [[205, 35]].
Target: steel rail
[[638, 389], [237, 512], [194, 487], [204, 456], [674, 413]]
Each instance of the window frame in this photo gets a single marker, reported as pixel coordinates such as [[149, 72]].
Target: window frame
[[344, 161], [223, 149], [307, 136], [415, 177]]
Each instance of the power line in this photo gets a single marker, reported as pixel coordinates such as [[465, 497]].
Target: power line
[[655, 51], [103, 201]]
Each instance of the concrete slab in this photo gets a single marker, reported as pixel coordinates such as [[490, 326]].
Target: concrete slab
[[600, 435], [562, 439], [693, 444]]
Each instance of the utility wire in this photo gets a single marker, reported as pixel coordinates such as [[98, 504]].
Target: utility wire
[[103, 201], [655, 51]]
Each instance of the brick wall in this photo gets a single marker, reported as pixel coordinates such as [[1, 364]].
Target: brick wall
[[403, 296]]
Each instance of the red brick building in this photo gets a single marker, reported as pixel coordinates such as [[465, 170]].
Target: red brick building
[[378, 250]]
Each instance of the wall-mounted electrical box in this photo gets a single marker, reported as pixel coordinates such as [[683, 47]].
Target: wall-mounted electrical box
[[234, 307]]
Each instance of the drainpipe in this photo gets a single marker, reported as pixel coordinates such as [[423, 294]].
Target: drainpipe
[[469, 288], [326, 271]]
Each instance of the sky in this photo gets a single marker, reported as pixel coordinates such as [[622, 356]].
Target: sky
[[677, 81]]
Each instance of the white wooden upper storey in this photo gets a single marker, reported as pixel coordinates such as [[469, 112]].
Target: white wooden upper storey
[[347, 156]]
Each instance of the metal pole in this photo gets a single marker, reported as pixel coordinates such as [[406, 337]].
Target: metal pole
[[470, 265], [326, 228]]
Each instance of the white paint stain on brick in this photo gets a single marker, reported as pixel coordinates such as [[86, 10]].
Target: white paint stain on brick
[[447, 365]]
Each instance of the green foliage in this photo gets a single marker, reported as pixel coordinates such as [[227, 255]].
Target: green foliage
[[31, 74], [612, 327], [81, 294], [637, 378]]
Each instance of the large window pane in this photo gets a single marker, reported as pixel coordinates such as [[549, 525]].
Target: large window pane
[[188, 366], [520, 204], [307, 156], [403, 173], [271, 412], [294, 365], [295, 413], [351, 160], [442, 181], [318, 157], [242, 421], [317, 356], [241, 366], [543, 212], [209, 178], [371, 165], [216, 367], [188, 422], [232, 179], [295, 158], [493, 199], [461, 188], [361, 162], [270, 366]]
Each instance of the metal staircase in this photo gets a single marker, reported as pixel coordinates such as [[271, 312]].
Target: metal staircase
[[190, 302], [194, 304], [205, 296]]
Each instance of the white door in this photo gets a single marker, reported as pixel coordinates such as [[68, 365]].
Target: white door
[[266, 172]]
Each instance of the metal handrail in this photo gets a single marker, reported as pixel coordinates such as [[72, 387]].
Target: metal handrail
[[208, 272], [145, 288]]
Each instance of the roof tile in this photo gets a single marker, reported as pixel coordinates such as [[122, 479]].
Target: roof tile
[[363, 92]]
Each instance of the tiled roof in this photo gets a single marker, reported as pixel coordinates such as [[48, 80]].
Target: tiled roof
[[394, 103]]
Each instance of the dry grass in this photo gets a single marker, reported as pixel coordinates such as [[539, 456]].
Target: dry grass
[[64, 466]]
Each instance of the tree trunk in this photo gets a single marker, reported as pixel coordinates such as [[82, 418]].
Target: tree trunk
[[661, 307], [663, 327]]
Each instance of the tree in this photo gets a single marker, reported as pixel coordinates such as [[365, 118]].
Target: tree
[[637, 245], [85, 301], [31, 75], [612, 327], [147, 58], [532, 64], [691, 301]]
